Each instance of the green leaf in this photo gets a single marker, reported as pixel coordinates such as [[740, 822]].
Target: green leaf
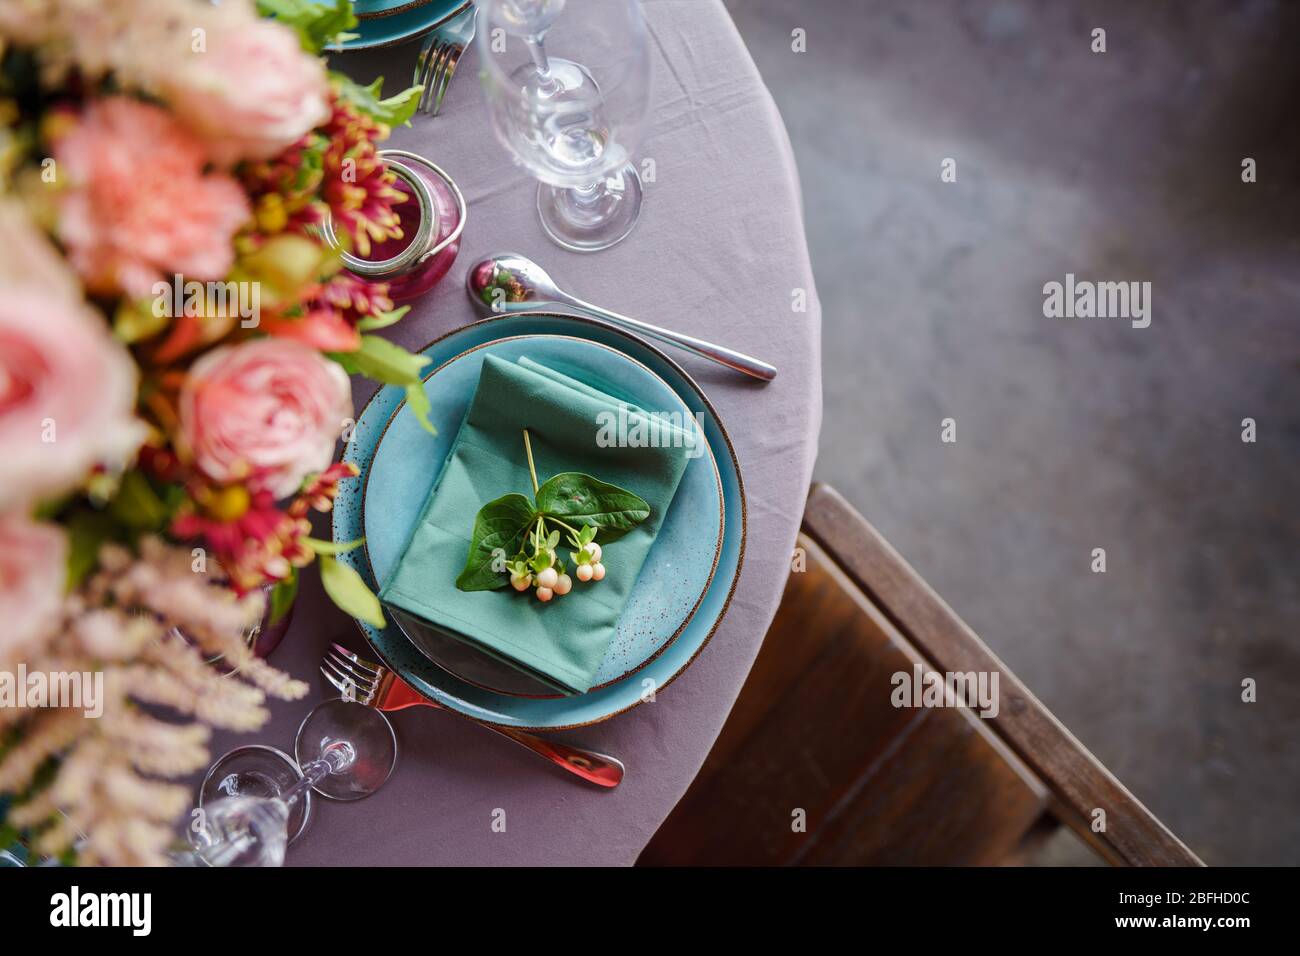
[[332, 547], [87, 530], [346, 361], [283, 595], [383, 320], [420, 406], [385, 362], [349, 592], [582, 499], [136, 321], [317, 23], [498, 524], [393, 111], [137, 505]]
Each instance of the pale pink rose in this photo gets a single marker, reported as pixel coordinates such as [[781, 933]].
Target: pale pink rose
[[251, 93], [67, 394], [269, 410], [30, 258], [33, 569], [97, 37], [137, 206]]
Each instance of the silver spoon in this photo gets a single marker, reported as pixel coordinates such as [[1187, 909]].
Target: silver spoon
[[508, 282]]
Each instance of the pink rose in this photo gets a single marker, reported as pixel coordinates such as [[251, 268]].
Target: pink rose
[[138, 206], [268, 410], [33, 569], [251, 93], [67, 393]]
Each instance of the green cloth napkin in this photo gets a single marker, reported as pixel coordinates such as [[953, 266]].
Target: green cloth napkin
[[564, 641]]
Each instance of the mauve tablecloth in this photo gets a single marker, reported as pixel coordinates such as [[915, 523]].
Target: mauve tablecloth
[[719, 253]]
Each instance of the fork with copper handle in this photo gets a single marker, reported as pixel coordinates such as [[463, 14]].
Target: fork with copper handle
[[376, 686]]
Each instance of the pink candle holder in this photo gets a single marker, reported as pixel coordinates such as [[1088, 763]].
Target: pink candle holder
[[432, 218]]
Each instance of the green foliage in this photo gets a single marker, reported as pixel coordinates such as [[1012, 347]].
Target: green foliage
[[317, 24], [283, 595], [349, 592], [394, 110], [385, 361], [498, 524], [583, 500], [512, 523]]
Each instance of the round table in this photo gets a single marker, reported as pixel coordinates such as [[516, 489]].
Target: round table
[[719, 253]]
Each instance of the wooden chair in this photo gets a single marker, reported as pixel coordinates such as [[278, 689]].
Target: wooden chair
[[815, 738]]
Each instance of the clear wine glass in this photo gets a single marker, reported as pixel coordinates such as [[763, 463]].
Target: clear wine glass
[[256, 800], [568, 87]]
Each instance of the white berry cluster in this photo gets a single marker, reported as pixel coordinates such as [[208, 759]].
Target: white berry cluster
[[544, 570]]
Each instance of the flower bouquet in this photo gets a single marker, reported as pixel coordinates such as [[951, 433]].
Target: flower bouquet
[[175, 343]]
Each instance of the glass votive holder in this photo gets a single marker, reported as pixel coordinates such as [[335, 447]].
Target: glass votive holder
[[432, 218]]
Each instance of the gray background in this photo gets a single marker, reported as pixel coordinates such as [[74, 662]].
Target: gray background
[[1074, 435]]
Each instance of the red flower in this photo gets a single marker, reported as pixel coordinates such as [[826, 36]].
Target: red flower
[[358, 188], [335, 170], [323, 329], [319, 491], [330, 313], [255, 542]]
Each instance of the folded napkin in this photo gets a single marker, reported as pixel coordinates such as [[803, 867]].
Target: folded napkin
[[564, 641]]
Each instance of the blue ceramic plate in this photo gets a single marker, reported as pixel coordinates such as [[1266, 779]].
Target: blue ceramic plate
[[676, 573], [369, 9], [620, 695], [390, 22]]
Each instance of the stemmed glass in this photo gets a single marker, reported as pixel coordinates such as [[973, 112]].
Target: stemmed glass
[[568, 85], [256, 800]]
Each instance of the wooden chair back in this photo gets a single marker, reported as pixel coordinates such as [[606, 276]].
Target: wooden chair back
[[817, 765]]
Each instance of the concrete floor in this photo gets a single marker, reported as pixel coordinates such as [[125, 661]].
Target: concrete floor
[[1075, 434]]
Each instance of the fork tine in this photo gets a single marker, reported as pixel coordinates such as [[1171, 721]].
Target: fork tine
[[375, 669], [422, 60], [453, 57], [339, 672], [338, 683], [431, 77], [440, 74], [345, 668], [359, 682]]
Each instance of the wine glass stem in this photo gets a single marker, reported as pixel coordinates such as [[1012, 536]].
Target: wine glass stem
[[587, 195], [336, 757], [537, 49]]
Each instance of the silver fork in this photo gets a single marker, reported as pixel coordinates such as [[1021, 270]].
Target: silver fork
[[376, 686], [438, 57]]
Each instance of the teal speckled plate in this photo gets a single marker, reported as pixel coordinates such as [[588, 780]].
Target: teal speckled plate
[[624, 690], [390, 22], [681, 563], [370, 9]]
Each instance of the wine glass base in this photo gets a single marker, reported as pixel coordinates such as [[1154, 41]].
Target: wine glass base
[[364, 731], [257, 771], [591, 220]]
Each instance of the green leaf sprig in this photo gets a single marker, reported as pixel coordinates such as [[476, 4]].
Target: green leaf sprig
[[515, 538]]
